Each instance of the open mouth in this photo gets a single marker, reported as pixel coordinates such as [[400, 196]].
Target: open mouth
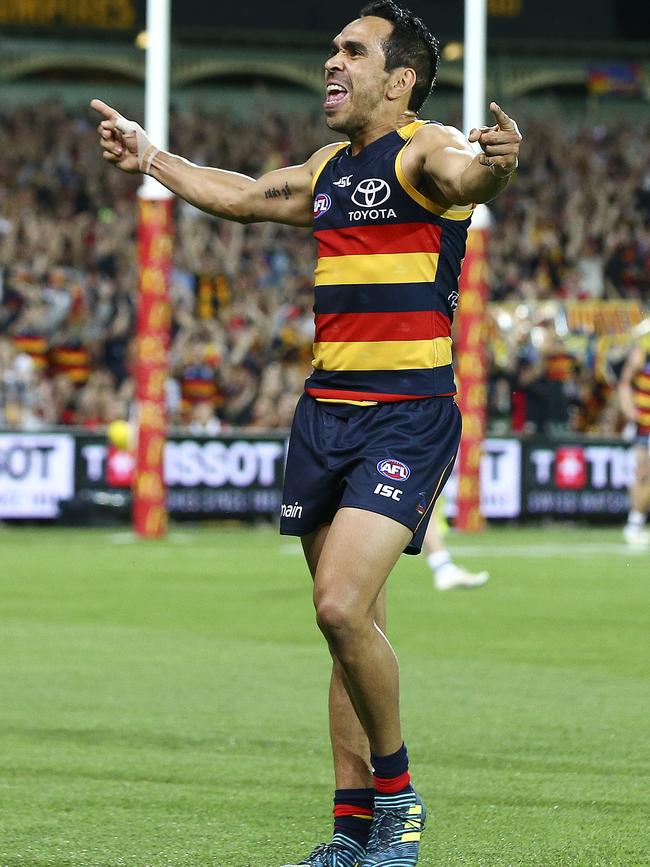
[[336, 93]]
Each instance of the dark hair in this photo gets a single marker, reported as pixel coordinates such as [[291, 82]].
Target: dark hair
[[410, 44]]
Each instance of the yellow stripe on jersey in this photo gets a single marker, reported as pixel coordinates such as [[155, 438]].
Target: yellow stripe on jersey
[[407, 132], [351, 402], [642, 399], [456, 212], [642, 382], [339, 146], [377, 268], [383, 355]]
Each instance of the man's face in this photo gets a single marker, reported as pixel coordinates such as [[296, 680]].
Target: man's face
[[355, 78]]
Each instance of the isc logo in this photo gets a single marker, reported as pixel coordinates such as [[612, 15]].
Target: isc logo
[[392, 469], [388, 491]]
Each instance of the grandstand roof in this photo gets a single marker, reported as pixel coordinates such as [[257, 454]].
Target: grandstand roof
[[512, 20]]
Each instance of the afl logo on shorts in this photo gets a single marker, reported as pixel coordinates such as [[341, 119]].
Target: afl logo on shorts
[[322, 204], [395, 470]]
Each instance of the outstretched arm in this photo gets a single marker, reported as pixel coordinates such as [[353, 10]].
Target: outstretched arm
[[451, 173], [281, 196]]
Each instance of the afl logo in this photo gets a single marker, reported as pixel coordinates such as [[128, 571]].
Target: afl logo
[[322, 204], [371, 193], [395, 470]]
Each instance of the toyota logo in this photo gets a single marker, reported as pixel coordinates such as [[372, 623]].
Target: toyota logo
[[370, 193]]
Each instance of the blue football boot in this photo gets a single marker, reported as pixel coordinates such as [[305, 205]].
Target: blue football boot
[[395, 832], [341, 852]]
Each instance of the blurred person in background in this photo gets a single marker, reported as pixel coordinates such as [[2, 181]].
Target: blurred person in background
[[347, 495], [634, 397], [447, 575]]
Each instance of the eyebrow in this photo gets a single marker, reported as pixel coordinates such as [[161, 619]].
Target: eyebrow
[[349, 44]]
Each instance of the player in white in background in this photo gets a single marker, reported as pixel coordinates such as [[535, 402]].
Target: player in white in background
[[446, 574]]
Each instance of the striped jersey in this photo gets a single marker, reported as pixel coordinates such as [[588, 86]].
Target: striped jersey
[[386, 281], [641, 393]]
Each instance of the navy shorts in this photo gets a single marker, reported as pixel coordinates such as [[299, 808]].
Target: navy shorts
[[392, 458]]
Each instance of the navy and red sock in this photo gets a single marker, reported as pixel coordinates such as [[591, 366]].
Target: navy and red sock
[[391, 773], [353, 810]]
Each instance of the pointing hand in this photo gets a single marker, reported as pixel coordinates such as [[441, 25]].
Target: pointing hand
[[499, 143], [124, 142]]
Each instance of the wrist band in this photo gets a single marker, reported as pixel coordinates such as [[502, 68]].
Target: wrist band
[[147, 158]]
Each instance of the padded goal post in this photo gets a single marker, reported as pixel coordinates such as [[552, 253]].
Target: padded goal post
[[153, 315], [471, 372]]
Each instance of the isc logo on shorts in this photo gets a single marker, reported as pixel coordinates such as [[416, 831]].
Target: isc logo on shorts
[[388, 491], [392, 469]]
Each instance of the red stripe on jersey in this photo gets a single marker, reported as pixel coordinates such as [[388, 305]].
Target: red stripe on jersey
[[355, 327], [367, 240]]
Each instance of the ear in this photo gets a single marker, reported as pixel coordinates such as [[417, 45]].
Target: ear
[[402, 83]]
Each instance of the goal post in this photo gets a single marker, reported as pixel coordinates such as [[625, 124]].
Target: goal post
[[153, 322]]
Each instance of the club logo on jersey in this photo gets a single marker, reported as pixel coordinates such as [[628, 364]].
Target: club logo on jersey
[[345, 181], [423, 503], [371, 193], [322, 204], [392, 469]]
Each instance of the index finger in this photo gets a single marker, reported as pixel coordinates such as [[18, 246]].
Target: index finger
[[108, 112], [501, 117]]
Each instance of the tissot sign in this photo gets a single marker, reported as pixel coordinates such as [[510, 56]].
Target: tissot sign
[[577, 479], [240, 476], [36, 473], [500, 480], [229, 476]]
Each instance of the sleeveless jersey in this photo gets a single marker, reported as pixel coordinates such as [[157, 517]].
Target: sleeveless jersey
[[386, 282], [641, 394]]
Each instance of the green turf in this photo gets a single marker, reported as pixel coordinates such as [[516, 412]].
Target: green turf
[[163, 703]]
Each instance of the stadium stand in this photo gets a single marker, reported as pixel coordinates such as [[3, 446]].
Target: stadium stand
[[572, 234]]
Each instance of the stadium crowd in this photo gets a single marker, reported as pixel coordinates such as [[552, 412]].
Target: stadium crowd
[[573, 225]]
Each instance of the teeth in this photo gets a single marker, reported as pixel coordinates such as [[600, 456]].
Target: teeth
[[335, 88]]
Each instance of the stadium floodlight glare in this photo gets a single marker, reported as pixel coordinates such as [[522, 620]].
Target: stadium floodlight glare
[[474, 64], [156, 92]]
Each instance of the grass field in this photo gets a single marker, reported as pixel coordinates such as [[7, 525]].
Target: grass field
[[163, 703]]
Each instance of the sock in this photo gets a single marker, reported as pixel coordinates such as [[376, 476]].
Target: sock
[[438, 559], [391, 773], [353, 814], [636, 519]]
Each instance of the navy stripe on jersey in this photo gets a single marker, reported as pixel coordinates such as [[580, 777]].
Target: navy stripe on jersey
[[379, 298], [424, 382]]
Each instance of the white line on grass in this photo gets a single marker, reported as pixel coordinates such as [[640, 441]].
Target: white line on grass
[[583, 549]]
